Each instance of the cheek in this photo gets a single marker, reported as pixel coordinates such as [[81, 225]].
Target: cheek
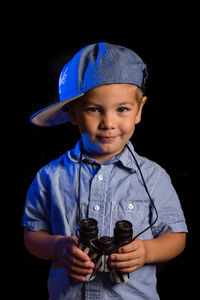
[[87, 125], [127, 127]]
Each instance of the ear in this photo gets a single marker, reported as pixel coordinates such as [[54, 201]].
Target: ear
[[139, 114]]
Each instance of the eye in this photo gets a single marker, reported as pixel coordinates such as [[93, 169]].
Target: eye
[[93, 109], [122, 109]]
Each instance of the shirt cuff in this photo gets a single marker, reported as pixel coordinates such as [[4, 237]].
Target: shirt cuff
[[170, 228], [36, 225]]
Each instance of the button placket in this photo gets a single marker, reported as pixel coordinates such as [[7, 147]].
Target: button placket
[[98, 196]]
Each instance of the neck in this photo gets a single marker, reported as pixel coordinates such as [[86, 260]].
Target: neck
[[104, 157]]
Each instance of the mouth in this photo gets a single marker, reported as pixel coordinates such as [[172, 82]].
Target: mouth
[[104, 139]]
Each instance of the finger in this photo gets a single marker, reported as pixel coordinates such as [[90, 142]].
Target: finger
[[123, 257], [88, 264], [76, 276], [79, 254], [78, 266], [75, 271], [79, 271], [125, 264]]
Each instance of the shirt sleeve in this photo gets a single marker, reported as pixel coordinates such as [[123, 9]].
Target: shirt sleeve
[[37, 205], [170, 213]]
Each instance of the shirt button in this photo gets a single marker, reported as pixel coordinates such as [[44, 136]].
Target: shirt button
[[100, 177], [96, 207], [130, 206]]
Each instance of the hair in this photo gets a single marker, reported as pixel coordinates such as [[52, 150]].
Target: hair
[[139, 95]]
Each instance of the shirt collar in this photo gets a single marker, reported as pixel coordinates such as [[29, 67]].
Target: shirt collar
[[125, 157]]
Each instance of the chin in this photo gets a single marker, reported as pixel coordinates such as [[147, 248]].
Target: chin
[[109, 149]]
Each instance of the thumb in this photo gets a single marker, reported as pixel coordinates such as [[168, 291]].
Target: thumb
[[129, 247]]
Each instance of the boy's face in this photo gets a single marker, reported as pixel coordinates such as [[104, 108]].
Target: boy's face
[[106, 117]]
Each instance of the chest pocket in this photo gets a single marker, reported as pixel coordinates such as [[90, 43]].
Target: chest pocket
[[134, 211]]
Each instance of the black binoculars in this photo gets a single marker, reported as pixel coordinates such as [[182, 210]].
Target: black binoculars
[[100, 249]]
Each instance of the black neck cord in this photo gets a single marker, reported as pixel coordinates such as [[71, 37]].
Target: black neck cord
[[79, 185], [144, 183], [145, 186]]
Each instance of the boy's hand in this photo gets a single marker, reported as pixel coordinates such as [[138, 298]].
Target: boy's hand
[[73, 259], [130, 257]]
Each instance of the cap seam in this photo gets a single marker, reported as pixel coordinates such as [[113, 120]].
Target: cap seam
[[117, 64]]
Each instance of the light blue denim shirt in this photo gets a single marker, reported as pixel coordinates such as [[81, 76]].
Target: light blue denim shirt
[[109, 192]]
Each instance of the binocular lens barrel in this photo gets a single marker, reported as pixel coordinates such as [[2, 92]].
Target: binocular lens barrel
[[123, 232]]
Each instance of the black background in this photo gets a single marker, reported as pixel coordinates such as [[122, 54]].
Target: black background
[[38, 42]]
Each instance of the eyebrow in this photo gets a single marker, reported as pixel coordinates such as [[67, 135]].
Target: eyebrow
[[117, 104], [125, 103]]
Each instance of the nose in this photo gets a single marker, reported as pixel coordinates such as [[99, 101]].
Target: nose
[[107, 121]]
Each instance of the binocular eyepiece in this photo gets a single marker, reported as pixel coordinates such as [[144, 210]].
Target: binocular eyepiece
[[88, 231], [99, 249]]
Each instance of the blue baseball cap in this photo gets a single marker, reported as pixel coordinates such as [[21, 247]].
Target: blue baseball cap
[[94, 65]]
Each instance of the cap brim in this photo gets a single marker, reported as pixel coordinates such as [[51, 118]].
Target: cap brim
[[54, 114]]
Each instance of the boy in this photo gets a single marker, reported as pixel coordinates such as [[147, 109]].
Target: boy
[[102, 92]]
